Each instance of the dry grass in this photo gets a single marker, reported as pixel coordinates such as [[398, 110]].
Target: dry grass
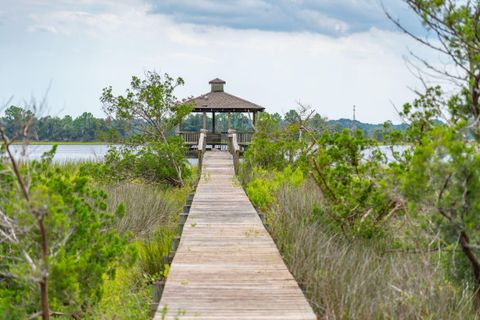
[[360, 280]]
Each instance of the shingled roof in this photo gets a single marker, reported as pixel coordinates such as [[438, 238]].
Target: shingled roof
[[219, 101]]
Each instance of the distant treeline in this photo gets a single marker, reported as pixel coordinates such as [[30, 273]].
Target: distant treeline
[[50, 128], [87, 128], [242, 122]]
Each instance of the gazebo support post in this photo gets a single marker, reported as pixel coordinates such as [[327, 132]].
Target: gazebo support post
[[229, 121], [213, 126], [213, 121], [204, 119], [254, 118]]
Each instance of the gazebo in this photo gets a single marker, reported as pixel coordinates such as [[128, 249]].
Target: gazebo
[[218, 101]]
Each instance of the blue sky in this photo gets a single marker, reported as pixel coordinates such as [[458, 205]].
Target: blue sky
[[328, 17], [324, 53]]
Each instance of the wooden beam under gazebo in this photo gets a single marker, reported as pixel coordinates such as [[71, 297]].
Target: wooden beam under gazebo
[[218, 101]]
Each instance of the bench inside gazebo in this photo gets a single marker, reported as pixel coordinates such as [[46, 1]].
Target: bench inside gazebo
[[216, 102]]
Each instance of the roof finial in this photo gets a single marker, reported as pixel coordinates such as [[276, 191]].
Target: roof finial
[[217, 85]]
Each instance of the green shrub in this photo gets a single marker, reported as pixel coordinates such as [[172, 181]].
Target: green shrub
[[149, 161], [261, 190], [83, 243], [127, 296]]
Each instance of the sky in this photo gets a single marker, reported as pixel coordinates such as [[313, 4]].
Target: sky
[[329, 54]]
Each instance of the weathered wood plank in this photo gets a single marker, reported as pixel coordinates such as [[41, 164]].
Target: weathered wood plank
[[227, 265]]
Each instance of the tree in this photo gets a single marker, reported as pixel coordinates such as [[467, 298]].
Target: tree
[[17, 120], [151, 100], [455, 27], [292, 117], [442, 175], [55, 233]]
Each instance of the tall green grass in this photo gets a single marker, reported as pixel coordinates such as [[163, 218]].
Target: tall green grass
[[359, 279], [148, 207], [151, 217]]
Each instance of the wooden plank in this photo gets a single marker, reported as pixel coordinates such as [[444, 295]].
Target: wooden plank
[[227, 265]]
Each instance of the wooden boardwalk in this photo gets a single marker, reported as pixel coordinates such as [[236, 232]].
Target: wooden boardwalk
[[227, 265]]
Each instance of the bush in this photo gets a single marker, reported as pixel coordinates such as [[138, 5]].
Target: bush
[[127, 296], [150, 161], [262, 189], [84, 246]]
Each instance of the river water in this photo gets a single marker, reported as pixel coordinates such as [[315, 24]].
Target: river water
[[68, 152], [96, 152]]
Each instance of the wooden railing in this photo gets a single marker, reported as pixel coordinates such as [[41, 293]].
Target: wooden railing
[[244, 137], [218, 138], [234, 148], [201, 147], [190, 137]]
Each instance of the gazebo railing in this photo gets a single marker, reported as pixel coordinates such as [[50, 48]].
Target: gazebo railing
[[218, 138], [190, 137], [244, 137]]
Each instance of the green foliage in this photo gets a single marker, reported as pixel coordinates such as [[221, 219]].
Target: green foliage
[[441, 180], [84, 246], [125, 297], [151, 100], [263, 188], [150, 161], [356, 195], [347, 167], [154, 251], [272, 146]]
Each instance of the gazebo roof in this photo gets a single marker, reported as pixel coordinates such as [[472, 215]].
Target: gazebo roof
[[219, 101]]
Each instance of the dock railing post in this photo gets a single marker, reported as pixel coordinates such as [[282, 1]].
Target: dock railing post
[[234, 148], [201, 148]]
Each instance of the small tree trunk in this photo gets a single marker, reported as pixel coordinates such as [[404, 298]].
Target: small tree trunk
[[44, 268], [474, 262]]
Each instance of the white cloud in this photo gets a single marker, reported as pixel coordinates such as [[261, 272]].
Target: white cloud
[[42, 28], [275, 69], [324, 22]]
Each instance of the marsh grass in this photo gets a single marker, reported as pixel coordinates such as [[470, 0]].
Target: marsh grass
[[151, 216], [148, 207], [360, 279], [154, 252]]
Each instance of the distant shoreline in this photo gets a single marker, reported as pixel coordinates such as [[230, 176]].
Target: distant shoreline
[[67, 143]]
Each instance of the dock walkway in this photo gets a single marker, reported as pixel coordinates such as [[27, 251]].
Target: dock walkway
[[227, 265]]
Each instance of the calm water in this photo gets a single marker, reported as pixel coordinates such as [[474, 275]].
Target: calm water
[[65, 153], [96, 152], [68, 153]]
